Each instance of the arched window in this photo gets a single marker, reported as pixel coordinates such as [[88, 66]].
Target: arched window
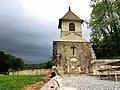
[[71, 27]]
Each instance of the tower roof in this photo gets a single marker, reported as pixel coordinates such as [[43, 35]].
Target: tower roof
[[70, 16]]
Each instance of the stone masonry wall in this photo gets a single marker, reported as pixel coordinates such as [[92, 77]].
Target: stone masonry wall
[[31, 72], [62, 53]]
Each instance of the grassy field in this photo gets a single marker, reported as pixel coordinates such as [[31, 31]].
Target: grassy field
[[17, 82]]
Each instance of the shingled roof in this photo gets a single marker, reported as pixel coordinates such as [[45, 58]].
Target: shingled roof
[[70, 16]]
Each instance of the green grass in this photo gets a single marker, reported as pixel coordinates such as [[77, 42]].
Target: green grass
[[17, 82]]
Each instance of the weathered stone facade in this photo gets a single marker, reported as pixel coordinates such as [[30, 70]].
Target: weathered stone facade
[[63, 54], [72, 54]]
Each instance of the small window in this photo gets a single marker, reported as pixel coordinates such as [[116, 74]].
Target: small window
[[71, 27]]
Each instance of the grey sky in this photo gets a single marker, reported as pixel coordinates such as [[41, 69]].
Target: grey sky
[[28, 27]]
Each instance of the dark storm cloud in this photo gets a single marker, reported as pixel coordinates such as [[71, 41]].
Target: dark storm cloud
[[23, 35]]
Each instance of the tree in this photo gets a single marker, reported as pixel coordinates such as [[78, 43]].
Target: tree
[[49, 64], [11, 60], [18, 64], [105, 28], [7, 61], [4, 66]]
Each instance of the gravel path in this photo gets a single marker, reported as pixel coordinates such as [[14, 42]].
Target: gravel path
[[90, 83]]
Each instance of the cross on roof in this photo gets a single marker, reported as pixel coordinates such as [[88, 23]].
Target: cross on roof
[[69, 3]]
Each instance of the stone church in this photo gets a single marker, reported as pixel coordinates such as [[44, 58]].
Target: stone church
[[72, 54]]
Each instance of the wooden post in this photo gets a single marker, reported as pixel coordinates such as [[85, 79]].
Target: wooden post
[[99, 75], [116, 79], [109, 71], [108, 74]]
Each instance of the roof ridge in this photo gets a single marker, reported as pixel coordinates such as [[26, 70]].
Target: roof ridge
[[70, 14], [75, 14]]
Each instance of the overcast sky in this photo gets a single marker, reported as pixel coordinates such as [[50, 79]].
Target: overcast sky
[[28, 27]]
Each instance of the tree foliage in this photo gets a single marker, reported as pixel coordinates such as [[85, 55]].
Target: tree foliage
[[105, 28], [7, 61]]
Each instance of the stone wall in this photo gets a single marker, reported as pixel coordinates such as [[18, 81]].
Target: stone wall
[[83, 52], [31, 72]]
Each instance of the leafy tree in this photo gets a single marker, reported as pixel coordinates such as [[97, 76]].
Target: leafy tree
[[105, 28], [11, 60], [3, 57], [7, 61], [4, 66], [18, 64], [49, 64]]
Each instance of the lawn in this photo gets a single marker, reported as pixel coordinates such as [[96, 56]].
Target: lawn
[[17, 82]]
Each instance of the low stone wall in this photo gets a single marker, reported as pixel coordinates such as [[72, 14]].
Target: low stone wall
[[31, 72]]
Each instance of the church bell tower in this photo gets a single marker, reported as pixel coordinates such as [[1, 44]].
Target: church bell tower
[[70, 23], [72, 54]]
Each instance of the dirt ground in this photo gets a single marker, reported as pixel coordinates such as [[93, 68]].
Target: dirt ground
[[37, 85]]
